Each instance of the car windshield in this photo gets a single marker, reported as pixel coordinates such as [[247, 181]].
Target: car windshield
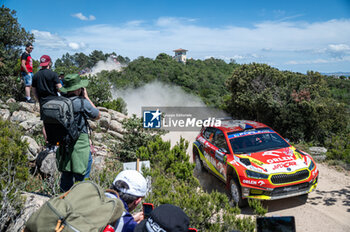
[[256, 142]]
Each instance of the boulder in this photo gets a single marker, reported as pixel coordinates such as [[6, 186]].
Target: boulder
[[116, 126], [318, 153], [117, 115], [10, 100], [21, 116], [5, 114], [48, 165], [33, 148], [98, 137], [102, 109], [115, 134], [105, 120], [3, 106], [29, 107], [318, 150], [92, 124], [33, 203], [32, 125], [99, 162]]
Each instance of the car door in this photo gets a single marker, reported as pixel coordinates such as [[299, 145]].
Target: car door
[[221, 150]]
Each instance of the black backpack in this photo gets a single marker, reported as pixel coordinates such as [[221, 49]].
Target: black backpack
[[58, 117]]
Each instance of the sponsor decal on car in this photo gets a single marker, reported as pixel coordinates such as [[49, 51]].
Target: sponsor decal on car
[[284, 165], [257, 162], [249, 182], [280, 159], [261, 182], [253, 132]]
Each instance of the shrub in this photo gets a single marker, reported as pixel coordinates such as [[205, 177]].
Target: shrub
[[13, 172], [118, 105], [173, 182], [99, 89], [298, 106], [136, 136], [257, 207], [339, 148]]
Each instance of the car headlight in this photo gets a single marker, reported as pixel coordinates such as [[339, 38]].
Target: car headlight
[[256, 175], [312, 165]]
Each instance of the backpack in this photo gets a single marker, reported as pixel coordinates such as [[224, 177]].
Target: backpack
[[58, 117], [84, 208]]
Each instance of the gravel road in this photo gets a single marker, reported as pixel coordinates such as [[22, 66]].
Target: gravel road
[[326, 209]]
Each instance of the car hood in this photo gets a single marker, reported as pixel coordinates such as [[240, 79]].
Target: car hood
[[279, 160]]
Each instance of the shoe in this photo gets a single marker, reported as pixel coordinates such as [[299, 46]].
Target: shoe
[[31, 101]]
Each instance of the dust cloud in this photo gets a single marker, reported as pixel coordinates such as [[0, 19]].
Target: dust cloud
[[163, 95], [108, 65]]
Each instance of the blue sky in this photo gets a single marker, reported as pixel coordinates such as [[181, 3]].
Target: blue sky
[[289, 35]]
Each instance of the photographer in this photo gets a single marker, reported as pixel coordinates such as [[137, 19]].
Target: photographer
[[75, 163], [130, 187]]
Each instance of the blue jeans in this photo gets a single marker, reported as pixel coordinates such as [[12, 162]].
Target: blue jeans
[[69, 178]]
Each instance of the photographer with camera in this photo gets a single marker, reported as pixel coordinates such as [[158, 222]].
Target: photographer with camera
[[130, 187], [75, 162]]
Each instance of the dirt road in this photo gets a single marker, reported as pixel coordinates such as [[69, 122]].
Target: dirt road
[[327, 209]]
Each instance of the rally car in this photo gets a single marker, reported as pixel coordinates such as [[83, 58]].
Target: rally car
[[254, 161]]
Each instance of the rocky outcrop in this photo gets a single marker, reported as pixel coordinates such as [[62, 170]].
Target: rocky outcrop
[[318, 153], [33, 148], [32, 203]]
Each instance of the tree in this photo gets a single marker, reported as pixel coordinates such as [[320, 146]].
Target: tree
[[298, 106], [12, 38]]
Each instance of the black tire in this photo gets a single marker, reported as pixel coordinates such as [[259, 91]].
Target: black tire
[[236, 194], [199, 165]]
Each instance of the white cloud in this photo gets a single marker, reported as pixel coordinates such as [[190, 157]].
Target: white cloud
[[76, 46], [83, 17], [268, 42], [134, 23], [48, 41]]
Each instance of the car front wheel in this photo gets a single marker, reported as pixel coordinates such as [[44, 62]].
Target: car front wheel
[[236, 194]]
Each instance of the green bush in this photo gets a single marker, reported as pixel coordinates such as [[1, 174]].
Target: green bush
[[257, 207], [173, 182], [136, 136], [298, 106], [99, 88], [118, 105], [339, 148], [13, 171]]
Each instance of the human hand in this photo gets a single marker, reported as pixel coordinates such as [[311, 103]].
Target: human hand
[[138, 217], [84, 93]]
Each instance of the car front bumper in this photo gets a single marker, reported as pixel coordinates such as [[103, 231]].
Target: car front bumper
[[280, 192]]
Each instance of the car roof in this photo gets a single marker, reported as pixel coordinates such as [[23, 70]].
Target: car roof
[[231, 125]]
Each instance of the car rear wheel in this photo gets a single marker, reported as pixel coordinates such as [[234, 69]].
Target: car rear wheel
[[236, 194], [199, 165]]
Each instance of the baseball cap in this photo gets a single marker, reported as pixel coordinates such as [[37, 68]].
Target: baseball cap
[[165, 218], [45, 60], [137, 183]]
